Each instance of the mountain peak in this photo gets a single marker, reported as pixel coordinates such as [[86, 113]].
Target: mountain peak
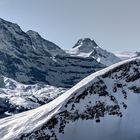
[[33, 33], [86, 42], [88, 48], [9, 25]]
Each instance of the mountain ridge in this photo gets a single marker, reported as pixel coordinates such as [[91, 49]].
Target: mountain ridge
[[88, 48], [29, 59], [16, 97], [109, 92]]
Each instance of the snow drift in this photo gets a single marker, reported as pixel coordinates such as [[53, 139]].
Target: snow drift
[[104, 105]]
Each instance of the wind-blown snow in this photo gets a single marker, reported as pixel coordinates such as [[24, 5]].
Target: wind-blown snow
[[29, 120], [15, 126], [125, 54]]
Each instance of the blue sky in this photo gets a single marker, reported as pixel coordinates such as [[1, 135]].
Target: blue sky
[[113, 24]]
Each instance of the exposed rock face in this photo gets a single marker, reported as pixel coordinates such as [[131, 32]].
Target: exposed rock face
[[41, 44], [88, 48], [137, 54], [102, 106], [30, 59], [86, 44], [108, 95]]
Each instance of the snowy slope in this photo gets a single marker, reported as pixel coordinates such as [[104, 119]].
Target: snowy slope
[[41, 44], [125, 54], [104, 105], [16, 97], [88, 48]]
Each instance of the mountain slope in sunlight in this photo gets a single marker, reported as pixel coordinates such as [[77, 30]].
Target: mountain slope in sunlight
[[104, 105]]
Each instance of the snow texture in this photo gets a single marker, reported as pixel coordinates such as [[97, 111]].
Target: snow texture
[[104, 105], [88, 48], [16, 97]]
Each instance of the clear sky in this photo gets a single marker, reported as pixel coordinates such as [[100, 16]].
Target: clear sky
[[113, 24]]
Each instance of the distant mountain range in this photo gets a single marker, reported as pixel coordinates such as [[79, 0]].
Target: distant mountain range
[[103, 106], [34, 71], [30, 59], [88, 48], [126, 54], [84, 93]]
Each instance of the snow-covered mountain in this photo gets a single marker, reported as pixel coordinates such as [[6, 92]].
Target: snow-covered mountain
[[88, 48], [126, 54], [30, 59], [40, 44], [103, 106], [16, 97]]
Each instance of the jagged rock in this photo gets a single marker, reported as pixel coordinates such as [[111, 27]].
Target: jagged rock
[[84, 112]]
